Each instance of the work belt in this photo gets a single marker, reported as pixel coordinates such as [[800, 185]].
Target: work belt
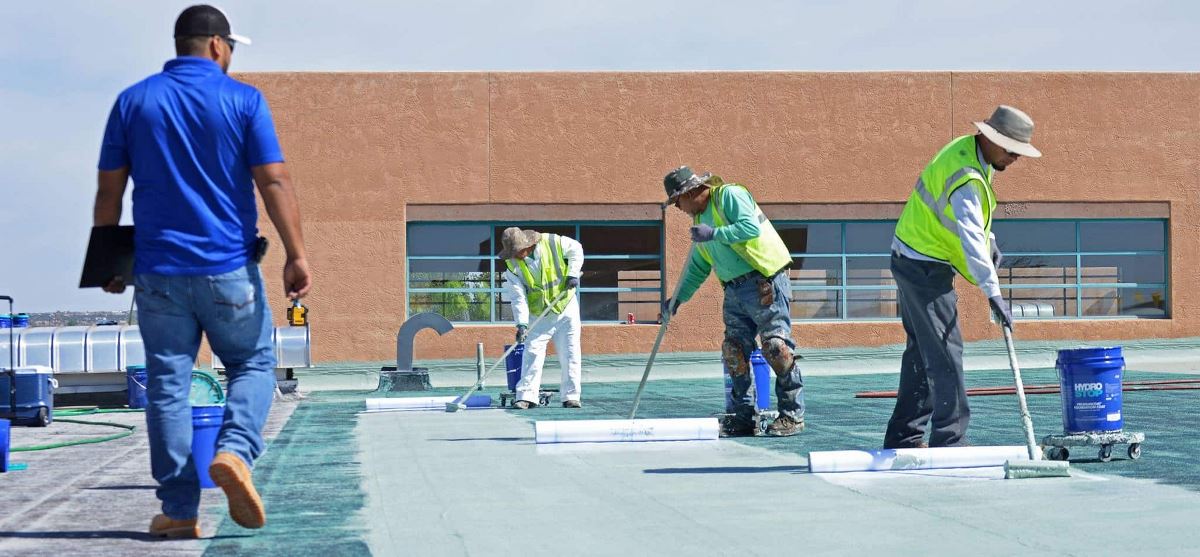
[[751, 275]]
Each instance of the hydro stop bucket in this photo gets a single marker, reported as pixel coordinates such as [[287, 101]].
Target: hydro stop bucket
[[1090, 380]]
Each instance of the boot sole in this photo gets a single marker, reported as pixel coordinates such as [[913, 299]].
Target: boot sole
[[180, 533], [245, 507]]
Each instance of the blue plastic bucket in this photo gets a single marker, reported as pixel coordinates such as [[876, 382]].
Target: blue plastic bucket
[[135, 382], [5, 321], [206, 423], [5, 428], [1090, 380], [512, 366], [762, 380], [20, 320]]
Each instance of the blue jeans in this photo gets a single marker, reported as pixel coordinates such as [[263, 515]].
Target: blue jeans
[[746, 318], [230, 309]]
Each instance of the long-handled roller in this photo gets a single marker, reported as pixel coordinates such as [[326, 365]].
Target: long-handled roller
[[460, 403], [1036, 466], [662, 329]]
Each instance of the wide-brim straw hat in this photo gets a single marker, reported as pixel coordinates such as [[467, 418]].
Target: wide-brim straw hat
[[514, 239], [1011, 129]]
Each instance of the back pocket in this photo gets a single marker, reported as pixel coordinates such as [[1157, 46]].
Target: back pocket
[[234, 295]]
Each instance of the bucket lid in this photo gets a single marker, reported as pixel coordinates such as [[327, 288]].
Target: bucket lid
[[1089, 353]]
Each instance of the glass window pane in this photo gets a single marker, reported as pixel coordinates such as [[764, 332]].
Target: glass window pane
[[616, 306], [1129, 302], [1124, 268], [816, 271], [1034, 236], [620, 273], [811, 238], [872, 304], [449, 273], [816, 304], [1036, 303], [621, 240], [455, 306], [1037, 269], [448, 239], [869, 271], [869, 237], [1122, 235]]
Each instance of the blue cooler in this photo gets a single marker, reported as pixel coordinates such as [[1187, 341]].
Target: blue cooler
[[5, 321], [20, 320], [35, 395], [1090, 381]]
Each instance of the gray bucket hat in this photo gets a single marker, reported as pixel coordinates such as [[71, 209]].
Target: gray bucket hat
[[1011, 129], [514, 239]]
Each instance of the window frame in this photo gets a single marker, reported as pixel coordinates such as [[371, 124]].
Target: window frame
[[495, 287], [1079, 286], [844, 288]]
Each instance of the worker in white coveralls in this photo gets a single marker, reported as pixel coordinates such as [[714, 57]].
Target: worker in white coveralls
[[541, 268]]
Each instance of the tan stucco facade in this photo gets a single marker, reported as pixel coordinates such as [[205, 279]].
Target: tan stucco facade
[[368, 149]]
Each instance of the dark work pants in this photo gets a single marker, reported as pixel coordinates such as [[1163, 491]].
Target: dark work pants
[[931, 370]]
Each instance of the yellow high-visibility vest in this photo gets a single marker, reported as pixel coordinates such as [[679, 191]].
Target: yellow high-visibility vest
[[766, 253], [553, 272], [928, 224]]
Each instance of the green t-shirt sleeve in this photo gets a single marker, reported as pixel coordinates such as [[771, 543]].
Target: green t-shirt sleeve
[[739, 211], [695, 274]]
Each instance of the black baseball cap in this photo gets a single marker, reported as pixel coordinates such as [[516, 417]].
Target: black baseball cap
[[203, 20]]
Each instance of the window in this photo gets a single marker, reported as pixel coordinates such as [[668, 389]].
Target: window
[[453, 269], [841, 270], [1102, 268], [1084, 268]]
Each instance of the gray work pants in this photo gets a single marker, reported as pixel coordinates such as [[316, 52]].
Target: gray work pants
[[931, 370]]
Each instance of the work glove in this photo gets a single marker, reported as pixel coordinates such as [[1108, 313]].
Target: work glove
[[997, 257], [670, 306], [703, 233], [572, 282], [522, 332], [1000, 310]]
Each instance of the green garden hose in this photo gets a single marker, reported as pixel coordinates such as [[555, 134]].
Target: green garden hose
[[129, 429]]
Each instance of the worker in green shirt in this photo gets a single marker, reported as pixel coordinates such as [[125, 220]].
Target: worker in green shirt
[[733, 238]]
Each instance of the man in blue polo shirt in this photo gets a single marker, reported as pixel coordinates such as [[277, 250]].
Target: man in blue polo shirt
[[196, 143]]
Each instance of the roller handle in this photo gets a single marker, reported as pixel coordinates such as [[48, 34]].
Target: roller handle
[[1026, 421], [662, 329]]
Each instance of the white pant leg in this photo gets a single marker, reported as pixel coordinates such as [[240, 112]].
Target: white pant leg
[[566, 343], [535, 355]]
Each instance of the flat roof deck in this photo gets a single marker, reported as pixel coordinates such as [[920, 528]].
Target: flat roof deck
[[338, 482]]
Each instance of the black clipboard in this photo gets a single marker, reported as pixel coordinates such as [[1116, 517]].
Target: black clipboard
[[109, 254]]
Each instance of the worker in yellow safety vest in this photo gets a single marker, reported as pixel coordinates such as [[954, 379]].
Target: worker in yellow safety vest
[[946, 227], [734, 238], [541, 269]]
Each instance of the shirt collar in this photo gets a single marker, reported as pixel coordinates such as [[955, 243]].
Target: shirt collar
[[982, 161], [191, 62]]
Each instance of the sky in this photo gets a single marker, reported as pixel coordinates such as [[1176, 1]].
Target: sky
[[63, 63]]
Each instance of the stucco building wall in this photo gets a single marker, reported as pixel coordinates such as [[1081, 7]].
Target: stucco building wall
[[367, 149]]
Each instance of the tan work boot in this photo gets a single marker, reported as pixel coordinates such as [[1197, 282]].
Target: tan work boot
[[163, 526], [785, 426], [233, 476]]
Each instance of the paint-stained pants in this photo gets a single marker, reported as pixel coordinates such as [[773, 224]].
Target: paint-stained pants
[[565, 330], [931, 370], [746, 318]]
